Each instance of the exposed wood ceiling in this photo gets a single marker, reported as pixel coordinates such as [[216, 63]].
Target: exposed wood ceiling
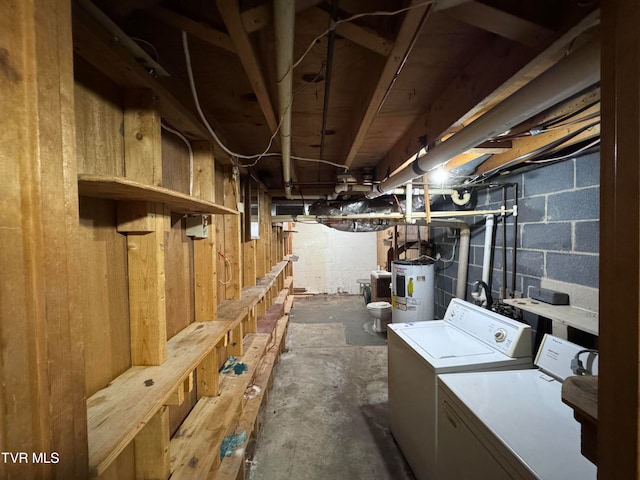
[[396, 81]]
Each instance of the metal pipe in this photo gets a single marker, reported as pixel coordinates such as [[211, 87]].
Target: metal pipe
[[574, 73], [284, 22], [328, 70]]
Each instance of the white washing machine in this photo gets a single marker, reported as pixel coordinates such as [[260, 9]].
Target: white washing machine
[[469, 338], [511, 425]]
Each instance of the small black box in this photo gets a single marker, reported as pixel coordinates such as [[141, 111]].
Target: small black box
[[549, 296]]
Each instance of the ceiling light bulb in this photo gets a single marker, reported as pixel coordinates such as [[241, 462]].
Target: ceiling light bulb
[[438, 176]]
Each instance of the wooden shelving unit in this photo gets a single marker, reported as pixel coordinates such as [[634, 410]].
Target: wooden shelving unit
[[118, 412], [121, 188]]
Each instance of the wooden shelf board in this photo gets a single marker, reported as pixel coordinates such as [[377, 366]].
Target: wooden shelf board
[[121, 188], [118, 412], [195, 447], [230, 466], [575, 317]]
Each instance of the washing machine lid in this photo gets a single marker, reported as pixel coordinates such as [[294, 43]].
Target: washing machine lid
[[448, 349], [523, 409]]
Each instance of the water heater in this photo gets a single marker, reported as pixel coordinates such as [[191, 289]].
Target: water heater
[[412, 290]]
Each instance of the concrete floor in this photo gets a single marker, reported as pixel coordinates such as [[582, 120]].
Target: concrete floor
[[326, 417]]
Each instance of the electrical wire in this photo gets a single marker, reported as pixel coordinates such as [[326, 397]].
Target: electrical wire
[[334, 24], [188, 144], [453, 253], [227, 264], [258, 157], [232, 154]]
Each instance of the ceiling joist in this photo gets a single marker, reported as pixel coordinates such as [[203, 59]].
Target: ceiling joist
[[501, 23], [411, 25]]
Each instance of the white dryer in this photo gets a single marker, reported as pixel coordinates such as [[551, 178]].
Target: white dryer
[[512, 425], [469, 338]]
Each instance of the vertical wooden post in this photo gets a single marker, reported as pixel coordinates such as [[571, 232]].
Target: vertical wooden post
[[261, 243], [618, 382], [143, 163], [249, 263], [232, 233], [152, 448], [42, 367], [204, 250]]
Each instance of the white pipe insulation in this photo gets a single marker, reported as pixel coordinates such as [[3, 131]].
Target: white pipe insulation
[[284, 22], [574, 73], [488, 241]]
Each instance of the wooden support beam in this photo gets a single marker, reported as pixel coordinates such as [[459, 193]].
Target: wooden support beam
[[478, 88], [230, 12], [41, 372], [249, 263], [410, 28], [205, 256], [524, 146], [145, 253], [198, 29], [501, 23], [619, 340], [208, 375], [93, 43], [152, 447], [232, 238]]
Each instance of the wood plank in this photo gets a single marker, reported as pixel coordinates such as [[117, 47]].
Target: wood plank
[[93, 43], [198, 29], [205, 255], [42, 371], [208, 375], [411, 25], [230, 12], [501, 23], [120, 188], [619, 362], [196, 445], [477, 89], [232, 236], [146, 252], [522, 147], [249, 263], [232, 465], [118, 412], [152, 447]]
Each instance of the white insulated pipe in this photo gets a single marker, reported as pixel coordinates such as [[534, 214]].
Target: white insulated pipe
[[574, 73], [284, 21], [488, 241]]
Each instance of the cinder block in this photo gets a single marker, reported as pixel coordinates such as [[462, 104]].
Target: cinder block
[[553, 178], [583, 204], [532, 209], [530, 263], [547, 236], [588, 170], [573, 268], [587, 236]]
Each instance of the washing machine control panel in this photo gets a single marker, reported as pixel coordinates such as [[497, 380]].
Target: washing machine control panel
[[506, 335]]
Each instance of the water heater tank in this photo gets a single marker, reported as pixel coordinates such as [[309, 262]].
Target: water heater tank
[[412, 290]]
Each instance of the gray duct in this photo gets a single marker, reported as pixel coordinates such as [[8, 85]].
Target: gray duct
[[571, 75]]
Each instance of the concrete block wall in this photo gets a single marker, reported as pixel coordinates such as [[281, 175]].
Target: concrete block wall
[[557, 232]]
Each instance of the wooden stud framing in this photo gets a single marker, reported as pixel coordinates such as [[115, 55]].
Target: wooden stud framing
[[152, 447], [208, 375], [145, 253], [232, 240], [42, 379], [204, 250]]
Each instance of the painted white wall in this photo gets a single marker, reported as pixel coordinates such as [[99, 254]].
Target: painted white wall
[[331, 261]]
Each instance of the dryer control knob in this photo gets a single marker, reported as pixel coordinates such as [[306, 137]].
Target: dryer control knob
[[500, 335]]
